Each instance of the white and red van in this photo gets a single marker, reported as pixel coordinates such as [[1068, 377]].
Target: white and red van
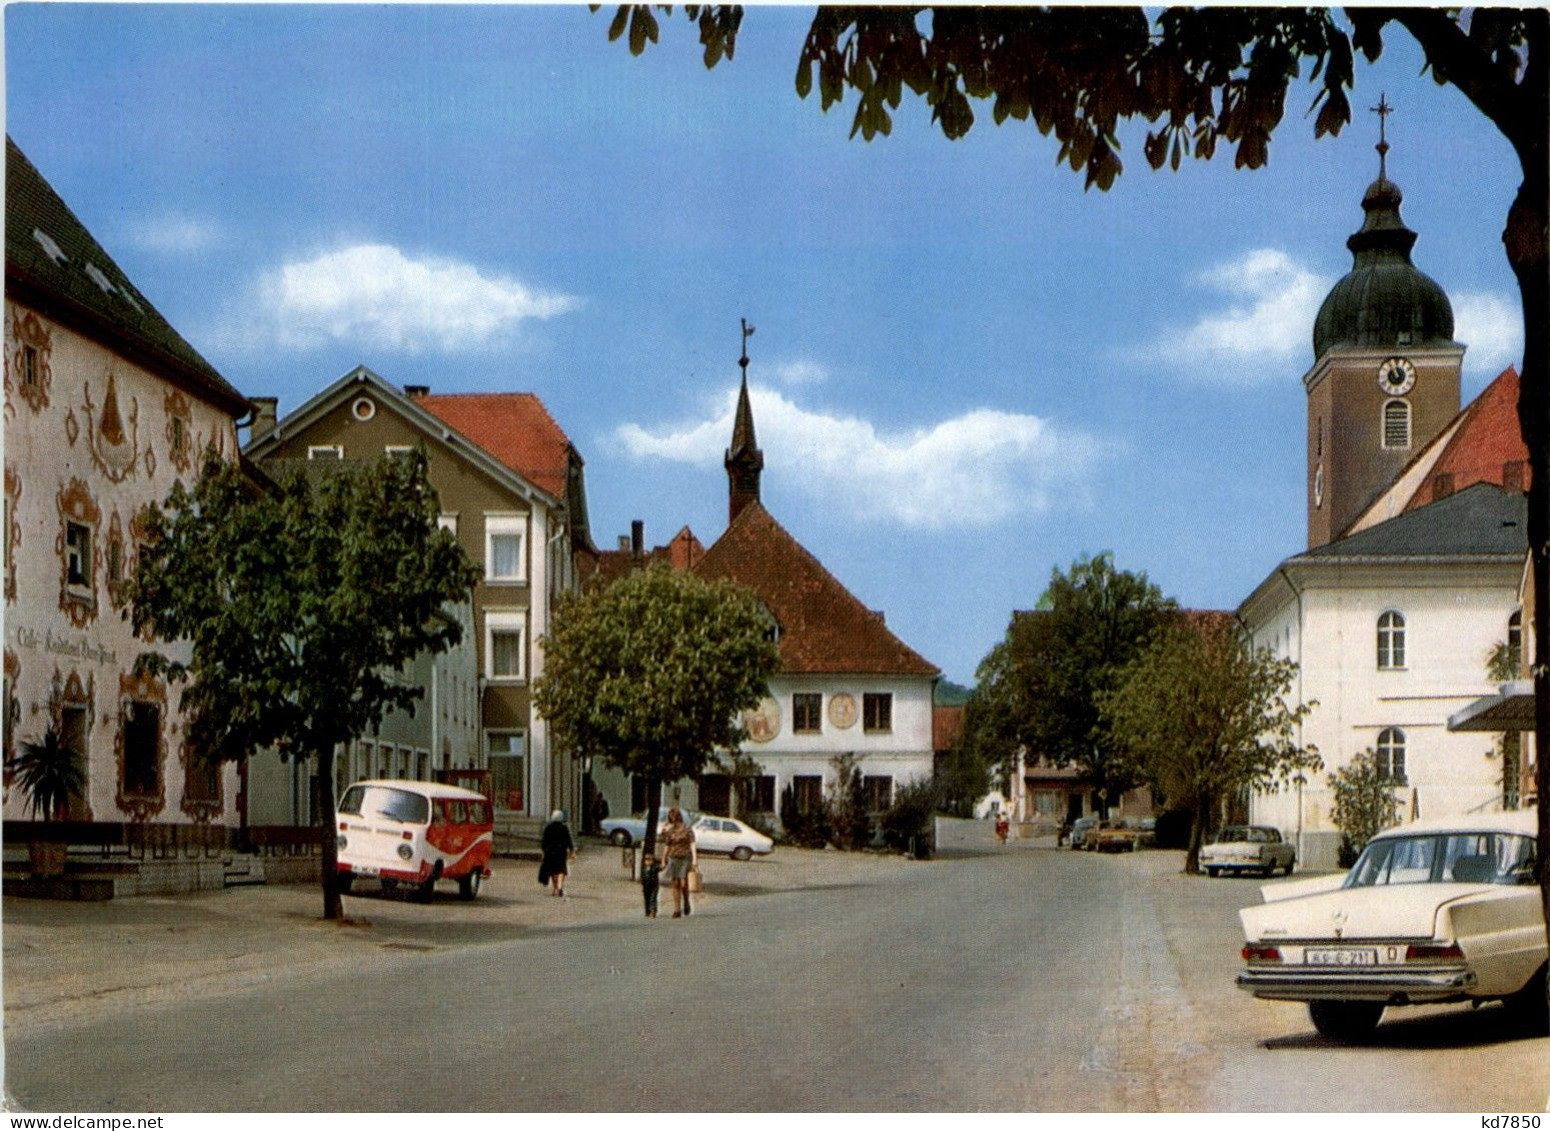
[[415, 832]]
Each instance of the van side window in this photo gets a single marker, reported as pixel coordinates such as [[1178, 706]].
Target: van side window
[[478, 813], [459, 812], [439, 813]]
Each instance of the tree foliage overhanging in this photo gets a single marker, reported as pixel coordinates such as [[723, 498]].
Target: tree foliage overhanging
[[292, 607], [1200, 716], [651, 673]]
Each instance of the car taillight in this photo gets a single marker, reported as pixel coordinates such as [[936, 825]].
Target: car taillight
[[1255, 953], [1429, 952]]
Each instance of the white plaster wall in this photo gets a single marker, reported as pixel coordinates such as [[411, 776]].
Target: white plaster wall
[[43, 458], [1452, 619]]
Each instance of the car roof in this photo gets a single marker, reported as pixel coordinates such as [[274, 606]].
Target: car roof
[[427, 788], [1521, 821]]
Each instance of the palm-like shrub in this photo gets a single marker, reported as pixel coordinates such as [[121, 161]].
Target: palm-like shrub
[[49, 773]]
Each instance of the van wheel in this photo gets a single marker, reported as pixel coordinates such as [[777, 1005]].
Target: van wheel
[[742, 852], [1290, 864], [1213, 872], [468, 886]]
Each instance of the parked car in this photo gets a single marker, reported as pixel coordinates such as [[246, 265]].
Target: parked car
[[724, 834], [1440, 910], [1114, 836], [1081, 829], [1248, 848], [625, 831]]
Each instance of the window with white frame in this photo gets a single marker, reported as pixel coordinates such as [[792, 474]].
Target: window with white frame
[[325, 451], [1391, 641], [78, 554], [504, 640], [1391, 755], [505, 548]]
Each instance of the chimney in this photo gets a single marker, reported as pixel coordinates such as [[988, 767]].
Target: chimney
[[265, 411], [415, 392], [637, 540]]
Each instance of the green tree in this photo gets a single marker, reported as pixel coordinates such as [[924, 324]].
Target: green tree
[[1365, 804], [1039, 687], [849, 822], [650, 674], [1199, 76], [296, 606], [1202, 716]]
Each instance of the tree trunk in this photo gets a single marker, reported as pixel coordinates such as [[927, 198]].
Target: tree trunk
[[327, 823], [1197, 835]]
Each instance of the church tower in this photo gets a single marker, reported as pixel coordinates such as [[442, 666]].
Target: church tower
[[744, 461], [1385, 379]]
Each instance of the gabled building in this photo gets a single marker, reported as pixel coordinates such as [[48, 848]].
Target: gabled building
[[1416, 543], [846, 684], [106, 407], [512, 490]]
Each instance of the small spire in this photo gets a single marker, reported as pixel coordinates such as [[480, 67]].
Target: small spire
[[1383, 110], [744, 461]]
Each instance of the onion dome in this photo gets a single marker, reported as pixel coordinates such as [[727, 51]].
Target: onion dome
[[1384, 302]]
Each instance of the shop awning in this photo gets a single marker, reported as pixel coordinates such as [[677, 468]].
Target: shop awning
[[1511, 708]]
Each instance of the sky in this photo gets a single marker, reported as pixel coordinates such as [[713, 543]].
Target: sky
[[967, 370]]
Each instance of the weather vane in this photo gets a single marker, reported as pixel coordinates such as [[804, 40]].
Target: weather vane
[[743, 361], [1383, 110]]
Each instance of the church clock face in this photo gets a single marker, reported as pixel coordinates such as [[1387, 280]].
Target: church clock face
[[1396, 376]]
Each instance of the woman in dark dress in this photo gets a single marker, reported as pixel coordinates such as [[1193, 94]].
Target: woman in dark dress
[[559, 850]]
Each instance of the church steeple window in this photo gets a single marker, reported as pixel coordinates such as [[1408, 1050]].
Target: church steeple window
[[1396, 424]]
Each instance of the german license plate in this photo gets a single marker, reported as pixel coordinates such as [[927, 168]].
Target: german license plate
[[364, 870], [1340, 956]]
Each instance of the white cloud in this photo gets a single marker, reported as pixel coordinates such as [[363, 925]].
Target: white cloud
[[376, 297], [174, 235], [1492, 327], [1272, 303], [971, 470], [799, 372]]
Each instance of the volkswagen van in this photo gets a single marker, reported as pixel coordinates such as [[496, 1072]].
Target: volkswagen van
[[415, 833]]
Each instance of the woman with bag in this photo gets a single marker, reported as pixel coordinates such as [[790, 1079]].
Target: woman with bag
[[679, 851], [559, 850]]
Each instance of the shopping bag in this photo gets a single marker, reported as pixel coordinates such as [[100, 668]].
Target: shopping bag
[[695, 883]]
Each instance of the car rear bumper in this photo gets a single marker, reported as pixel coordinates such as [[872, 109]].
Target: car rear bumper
[[1394, 987]]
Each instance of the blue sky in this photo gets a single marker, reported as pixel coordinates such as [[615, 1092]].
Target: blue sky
[[967, 371]]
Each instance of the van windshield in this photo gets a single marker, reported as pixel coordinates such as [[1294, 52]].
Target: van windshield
[[392, 804]]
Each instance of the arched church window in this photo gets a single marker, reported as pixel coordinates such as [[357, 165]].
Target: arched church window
[[1396, 424], [1391, 640], [1391, 755], [1515, 640]]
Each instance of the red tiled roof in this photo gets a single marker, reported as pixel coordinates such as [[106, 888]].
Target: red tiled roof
[[946, 727], [1486, 447], [823, 628], [515, 428], [683, 552]]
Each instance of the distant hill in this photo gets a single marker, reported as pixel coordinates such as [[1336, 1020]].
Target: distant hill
[[950, 694]]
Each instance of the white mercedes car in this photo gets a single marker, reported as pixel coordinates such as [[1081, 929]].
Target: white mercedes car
[[1440, 910], [1248, 848]]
